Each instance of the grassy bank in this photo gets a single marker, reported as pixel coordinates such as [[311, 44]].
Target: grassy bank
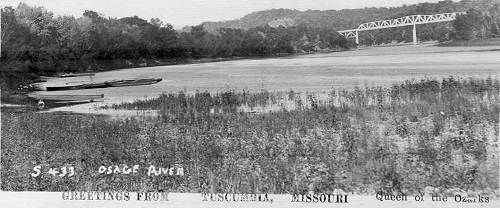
[[404, 138]]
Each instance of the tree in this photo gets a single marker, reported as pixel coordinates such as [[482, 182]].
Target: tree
[[156, 22], [468, 26], [38, 20], [494, 12]]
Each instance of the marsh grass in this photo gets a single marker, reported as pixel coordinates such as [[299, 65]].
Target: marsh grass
[[403, 138]]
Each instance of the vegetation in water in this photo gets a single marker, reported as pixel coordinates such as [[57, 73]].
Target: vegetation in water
[[404, 138]]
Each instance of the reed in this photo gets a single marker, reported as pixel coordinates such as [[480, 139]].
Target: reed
[[403, 138]]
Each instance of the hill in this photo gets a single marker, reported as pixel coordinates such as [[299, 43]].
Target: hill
[[342, 19]]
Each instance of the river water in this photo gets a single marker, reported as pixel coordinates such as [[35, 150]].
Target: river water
[[304, 73]]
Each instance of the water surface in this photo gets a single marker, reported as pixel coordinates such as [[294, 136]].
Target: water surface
[[305, 73]]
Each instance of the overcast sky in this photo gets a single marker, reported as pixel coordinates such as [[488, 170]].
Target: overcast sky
[[192, 12]]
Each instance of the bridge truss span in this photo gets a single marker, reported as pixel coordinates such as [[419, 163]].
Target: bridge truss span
[[400, 22]]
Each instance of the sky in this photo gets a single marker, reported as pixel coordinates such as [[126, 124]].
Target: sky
[[180, 13]]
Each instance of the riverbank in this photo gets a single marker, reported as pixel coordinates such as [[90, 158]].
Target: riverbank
[[374, 66], [12, 81], [471, 43], [381, 66], [402, 138]]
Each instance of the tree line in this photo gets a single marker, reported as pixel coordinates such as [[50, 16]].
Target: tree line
[[37, 41], [477, 24]]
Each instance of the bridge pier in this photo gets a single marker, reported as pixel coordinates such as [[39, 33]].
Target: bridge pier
[[415, 41], [357, 37]]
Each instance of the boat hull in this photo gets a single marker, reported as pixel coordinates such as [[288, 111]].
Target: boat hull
[[124, 83], [118, 83], [68, 97]]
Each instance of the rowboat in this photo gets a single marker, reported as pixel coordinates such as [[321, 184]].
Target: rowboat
[[134, 82], [79, 86], [92, 85], [66, 98], [45, 78], [95, 85], [75, 75]]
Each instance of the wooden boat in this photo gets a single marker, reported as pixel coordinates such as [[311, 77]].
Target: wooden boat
[[75, 75], [134, 82], [79, 87], [67, 98], [64, 87], [95, 85], [45, 78], [117, 83]]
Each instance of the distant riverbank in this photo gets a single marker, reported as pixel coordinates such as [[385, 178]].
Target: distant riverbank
[[469, 43]]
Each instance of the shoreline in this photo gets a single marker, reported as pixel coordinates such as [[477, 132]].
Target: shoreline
[[182, 75], [143, 63]]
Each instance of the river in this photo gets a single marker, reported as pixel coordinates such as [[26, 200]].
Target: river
[[303, 73]]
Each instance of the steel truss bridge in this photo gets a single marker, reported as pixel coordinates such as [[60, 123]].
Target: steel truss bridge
[[400, 22]]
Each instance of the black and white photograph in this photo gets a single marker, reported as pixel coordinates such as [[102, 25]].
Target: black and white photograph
[[250, 103]]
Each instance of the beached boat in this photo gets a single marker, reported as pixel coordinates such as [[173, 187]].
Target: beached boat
[[68, 97], [45, 78], [75, 75], [134, 82], [64, 87], [95, 85], [79, 86], [92, 85]]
